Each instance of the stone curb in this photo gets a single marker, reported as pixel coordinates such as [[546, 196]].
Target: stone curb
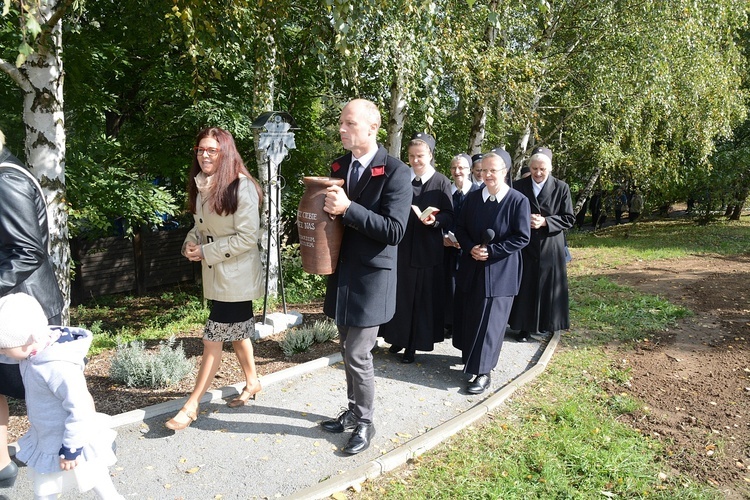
[[142, 414], [428, 440]]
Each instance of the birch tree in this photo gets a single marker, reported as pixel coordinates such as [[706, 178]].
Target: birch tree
[[37, 70]]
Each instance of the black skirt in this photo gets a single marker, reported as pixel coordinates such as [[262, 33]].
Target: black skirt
[[11, 383], [230, 321]]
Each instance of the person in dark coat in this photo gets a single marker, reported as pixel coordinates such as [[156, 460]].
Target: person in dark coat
[[493, 228], [542, 303], [374, 205], [420, 293], [25, 267], [460, 188]]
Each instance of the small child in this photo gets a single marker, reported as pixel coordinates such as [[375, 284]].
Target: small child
[[68, 444]]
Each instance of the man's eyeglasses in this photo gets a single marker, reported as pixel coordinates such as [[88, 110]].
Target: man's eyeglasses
[[212, 152]]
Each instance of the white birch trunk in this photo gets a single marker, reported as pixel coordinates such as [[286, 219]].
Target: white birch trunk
[[476, 136], [265, 87], [397, 117], [41, 80]]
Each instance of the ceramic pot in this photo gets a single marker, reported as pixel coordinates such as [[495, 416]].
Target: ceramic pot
[[320, 233]]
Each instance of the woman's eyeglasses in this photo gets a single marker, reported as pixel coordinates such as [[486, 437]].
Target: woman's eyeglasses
[[212, 152]]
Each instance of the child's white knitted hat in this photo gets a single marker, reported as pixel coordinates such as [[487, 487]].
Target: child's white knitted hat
[[21, 317]]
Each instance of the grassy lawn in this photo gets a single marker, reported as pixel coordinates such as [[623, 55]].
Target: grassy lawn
[[559, 437]]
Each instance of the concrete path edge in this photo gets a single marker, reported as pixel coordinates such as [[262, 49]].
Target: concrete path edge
[[429, 439], [142, 414]]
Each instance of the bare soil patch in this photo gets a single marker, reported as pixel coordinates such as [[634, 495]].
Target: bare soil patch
[[695, 378]]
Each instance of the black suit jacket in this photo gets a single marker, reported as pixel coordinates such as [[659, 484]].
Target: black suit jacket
[[362, 291]]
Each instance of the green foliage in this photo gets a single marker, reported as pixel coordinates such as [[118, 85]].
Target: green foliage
[[297, 340], [121, 318], [323, 331], [300, 286], [300, 339], [134, 366]]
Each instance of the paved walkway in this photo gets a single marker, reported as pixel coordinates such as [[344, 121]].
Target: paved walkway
[[274, 447]]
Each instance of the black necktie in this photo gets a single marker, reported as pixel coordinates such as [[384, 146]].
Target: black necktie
[[354, 175]]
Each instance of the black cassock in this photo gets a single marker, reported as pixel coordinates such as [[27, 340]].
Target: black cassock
[[451, 254], [485, 290], [542, 302], [420, 287]]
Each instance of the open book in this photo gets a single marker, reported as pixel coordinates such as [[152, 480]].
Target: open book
[[423, 214]]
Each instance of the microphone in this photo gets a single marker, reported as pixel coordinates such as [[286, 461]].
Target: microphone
[[487, 236]]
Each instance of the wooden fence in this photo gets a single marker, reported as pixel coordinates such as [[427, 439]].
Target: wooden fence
[[116, 264]]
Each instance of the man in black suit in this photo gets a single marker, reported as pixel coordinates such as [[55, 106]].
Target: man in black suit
[[374, 206]]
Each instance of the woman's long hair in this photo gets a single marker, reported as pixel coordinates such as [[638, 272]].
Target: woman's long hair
[[225, 180]]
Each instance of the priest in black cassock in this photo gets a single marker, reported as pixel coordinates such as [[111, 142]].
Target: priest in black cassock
[[493, 228], [420, 289], [542, 303]]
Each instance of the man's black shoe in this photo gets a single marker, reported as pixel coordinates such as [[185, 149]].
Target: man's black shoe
[[360, 439], [346, 421], [480, 384]]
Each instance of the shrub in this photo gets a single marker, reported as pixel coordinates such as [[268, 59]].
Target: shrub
[[297, 340], [134, 366], [300, 339], [323, 331]]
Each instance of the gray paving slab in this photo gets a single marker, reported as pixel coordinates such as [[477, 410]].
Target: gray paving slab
[[275, 448]]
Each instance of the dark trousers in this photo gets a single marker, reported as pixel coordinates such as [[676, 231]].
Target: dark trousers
[[356, 348]]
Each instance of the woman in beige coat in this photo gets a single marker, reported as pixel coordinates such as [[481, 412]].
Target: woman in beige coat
[[224, 199]]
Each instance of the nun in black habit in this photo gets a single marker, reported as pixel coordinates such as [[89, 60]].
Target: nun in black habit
[[492, 229], [420, 290], [460, 188], [542, 303]]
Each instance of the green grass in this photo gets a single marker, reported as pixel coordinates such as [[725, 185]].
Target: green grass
[[603, 311], [122, 318], [554, 440], [559, 437], [665, 239]]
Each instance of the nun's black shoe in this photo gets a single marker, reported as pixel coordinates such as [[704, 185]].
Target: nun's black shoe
[[522, 336], [479, 384], [394, 349], [360, 439], [8, 475], [346, 421], [408, 356]]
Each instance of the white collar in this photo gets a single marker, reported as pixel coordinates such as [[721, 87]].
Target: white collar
[[365, 159], [465, 189], [500, 194], [429, 172]]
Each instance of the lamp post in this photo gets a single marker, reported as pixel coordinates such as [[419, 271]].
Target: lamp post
[[275, 140]]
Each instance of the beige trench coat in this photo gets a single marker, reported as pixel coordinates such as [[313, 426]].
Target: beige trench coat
[[232, 270]]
